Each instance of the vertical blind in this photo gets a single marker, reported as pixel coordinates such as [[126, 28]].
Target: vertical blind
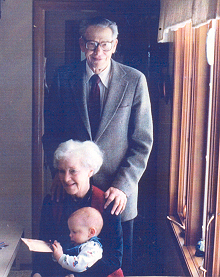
[[175, 14]]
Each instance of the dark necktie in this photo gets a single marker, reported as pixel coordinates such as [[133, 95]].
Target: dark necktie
[[94, 104]]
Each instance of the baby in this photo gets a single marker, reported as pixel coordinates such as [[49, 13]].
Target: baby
[[85, 225]]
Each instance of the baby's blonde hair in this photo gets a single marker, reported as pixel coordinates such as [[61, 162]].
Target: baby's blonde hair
[[90, 217]]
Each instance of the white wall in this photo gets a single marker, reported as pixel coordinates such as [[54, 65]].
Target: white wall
[[16, 114]]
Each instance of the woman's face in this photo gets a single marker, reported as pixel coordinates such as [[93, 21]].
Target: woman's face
[[74, 177]]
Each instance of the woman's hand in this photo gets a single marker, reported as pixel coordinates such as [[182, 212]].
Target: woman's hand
[[57, 190], [120, 200], [57, 250]]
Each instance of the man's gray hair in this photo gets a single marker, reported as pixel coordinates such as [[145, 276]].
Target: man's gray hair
[[100, 22], [87, 153]]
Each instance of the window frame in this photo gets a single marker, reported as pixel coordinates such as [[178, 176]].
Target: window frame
[[189, 148]]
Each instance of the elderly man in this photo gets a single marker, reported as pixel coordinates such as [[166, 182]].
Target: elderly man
[[107, 102]]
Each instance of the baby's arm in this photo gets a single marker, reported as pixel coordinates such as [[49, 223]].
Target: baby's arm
[[90, 253], [57, 250]]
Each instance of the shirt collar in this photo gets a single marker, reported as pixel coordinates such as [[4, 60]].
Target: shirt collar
[[104, 75]]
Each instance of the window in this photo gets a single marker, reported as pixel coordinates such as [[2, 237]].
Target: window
[[194, 166]]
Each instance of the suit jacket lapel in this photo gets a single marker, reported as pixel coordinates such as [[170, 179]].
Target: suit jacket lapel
[[79, 93], [116, 93]]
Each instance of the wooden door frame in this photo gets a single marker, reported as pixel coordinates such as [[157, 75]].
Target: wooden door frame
[[104, 8], [39, 10]]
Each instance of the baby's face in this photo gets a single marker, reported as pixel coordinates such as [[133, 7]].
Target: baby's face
[[79, 233]]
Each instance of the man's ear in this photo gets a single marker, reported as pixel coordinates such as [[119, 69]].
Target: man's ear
[[82, 44], [92, 232], [115, 46]]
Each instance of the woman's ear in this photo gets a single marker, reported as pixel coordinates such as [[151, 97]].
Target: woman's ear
[[92, 232], [91, 172]]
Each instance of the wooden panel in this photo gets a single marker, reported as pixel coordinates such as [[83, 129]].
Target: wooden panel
[[185, 118], [198, 138], [176, 122]]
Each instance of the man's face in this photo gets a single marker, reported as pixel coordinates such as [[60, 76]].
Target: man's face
[[98, 59]]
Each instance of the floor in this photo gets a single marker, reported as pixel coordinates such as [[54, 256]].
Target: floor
[[144, 252], [27, 273], [20, 273]]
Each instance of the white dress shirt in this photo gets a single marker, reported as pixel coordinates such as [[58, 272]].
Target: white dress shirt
[[103, 85]]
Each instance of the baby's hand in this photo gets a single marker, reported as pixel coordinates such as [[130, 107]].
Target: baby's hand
[[57, 250]]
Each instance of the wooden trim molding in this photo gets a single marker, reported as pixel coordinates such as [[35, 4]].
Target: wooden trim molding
[[185, 117], [38, 99], [197, 137], [213, 240], [40, 9], [176, 122], [193, 263]]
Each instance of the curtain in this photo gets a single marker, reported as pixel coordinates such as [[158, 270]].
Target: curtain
[[176, 13]]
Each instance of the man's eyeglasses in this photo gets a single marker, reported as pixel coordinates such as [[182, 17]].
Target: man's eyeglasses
[[92, 45]]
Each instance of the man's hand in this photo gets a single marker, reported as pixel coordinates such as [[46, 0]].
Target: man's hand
[[57, 190], [120, 200], [57, 250]]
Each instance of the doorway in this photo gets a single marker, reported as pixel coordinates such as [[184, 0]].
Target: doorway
[[56, 43]]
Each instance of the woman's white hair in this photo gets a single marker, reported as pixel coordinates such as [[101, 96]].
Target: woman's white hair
[[87, 152]]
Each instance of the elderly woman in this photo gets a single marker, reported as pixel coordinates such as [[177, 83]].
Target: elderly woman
[[76, 163]]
